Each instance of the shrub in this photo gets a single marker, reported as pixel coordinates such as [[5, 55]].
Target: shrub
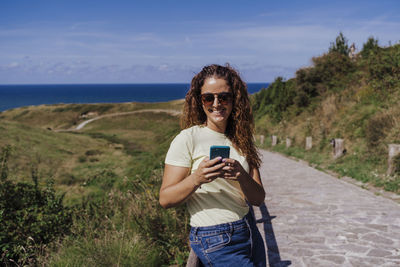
[[30, 218], [82, 159], [275, 100], [370, 47], [384, 69], [376, 129], [93, 152], [340, 45], [5, 153], [396, 164]]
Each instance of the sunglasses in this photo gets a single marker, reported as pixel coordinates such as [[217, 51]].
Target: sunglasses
[[223, 98]]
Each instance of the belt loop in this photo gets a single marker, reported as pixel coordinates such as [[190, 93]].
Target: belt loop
[[251, 233], [195, 229], [231, 228]]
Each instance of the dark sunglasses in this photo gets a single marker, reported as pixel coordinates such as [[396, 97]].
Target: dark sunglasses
[[223, 98]]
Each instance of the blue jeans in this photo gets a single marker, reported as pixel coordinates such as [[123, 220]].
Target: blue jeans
[[237, 243]]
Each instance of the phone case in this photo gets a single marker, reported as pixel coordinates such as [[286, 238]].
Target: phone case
[[222, 151]]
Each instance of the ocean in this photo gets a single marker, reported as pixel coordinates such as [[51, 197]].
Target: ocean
[[13, 96]]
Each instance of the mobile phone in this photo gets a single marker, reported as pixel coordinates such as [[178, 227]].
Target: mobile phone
[[219, 151]]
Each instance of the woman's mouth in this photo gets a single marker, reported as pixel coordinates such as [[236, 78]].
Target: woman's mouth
[[217, 112]]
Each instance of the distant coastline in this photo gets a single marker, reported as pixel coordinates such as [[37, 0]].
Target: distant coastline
[[14, 96]]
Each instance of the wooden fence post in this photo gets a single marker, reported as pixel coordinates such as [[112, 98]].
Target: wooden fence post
[[288, 142], [394, 150], [262, 139], [274, 140], [338, 148], [308, 142]]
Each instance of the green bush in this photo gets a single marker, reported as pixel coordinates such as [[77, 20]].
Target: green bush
[[93, 152], [396, 164], [384, 69], [30, 217], [275, 99], [340, 45], [376, 128], [370, 47]]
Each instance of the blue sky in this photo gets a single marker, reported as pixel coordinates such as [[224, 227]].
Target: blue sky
[[68, 41]]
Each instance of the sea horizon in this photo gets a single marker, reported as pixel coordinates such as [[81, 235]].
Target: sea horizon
[[21, 95]]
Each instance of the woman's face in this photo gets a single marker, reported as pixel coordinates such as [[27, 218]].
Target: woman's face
[[216, 98]]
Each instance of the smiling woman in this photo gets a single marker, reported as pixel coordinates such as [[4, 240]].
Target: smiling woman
[[217, 191]]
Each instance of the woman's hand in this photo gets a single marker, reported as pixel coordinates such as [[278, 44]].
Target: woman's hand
[[233, 170], [250, 183], [208, 171], [178, 184]]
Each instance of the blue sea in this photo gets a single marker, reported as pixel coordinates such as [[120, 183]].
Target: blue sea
[[13, 96]]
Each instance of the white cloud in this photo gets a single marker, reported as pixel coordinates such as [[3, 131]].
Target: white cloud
[[92, 52]]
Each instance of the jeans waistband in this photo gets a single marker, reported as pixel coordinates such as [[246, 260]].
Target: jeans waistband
[[224, 227]]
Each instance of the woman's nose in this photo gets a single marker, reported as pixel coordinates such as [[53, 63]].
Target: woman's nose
[[216, 101]]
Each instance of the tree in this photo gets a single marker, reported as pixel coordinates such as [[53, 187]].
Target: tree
[[340, 46], [371, 46]]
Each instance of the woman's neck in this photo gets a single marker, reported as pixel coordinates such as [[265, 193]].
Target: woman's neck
[[220, 128]]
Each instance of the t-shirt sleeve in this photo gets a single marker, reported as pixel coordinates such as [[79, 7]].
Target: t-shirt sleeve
[[180, 152]]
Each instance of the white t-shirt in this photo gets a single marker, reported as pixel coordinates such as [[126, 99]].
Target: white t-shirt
[[220, 201]]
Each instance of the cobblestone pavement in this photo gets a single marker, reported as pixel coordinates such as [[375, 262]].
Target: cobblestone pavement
[[313, 219]]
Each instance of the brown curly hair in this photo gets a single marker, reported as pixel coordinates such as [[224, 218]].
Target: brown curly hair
[[240, 126]]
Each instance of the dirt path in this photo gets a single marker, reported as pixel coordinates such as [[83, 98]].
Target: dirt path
[[83, 124], [313, 219]]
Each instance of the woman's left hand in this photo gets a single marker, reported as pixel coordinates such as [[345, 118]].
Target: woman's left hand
[[233, 170], [250, 183]]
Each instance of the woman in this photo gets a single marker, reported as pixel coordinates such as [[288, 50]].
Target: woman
[[217, 192]]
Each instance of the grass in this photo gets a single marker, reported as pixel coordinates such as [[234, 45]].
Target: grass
[[113, 248], [110, 173]]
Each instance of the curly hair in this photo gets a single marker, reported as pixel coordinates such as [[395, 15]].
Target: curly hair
[[240, 127]]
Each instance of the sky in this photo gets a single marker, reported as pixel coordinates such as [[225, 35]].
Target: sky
[[167, 41]]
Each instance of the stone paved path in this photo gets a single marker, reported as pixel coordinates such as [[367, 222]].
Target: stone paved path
[[313, 219]]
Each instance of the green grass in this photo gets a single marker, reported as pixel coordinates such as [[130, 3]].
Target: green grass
[[110, 173], [110, 248]]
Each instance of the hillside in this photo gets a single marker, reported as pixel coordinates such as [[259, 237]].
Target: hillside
[[108, 176], [339, 96], [65, 116]]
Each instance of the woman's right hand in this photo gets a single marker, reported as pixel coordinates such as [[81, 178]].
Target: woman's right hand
[[178, 184], [208, 171]]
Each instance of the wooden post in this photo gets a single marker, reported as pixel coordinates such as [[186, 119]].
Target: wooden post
[[274, 140], [338, 148], [394, 150], [193, 260], [262, 139], [288, 142], [308, 142]]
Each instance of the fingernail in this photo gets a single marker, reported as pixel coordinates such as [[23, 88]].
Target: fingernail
[[224, 160]]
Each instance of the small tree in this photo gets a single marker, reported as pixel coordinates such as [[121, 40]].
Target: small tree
[[371, 46], [340, 46]]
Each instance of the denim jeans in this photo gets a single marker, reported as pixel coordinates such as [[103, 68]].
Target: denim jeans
[[232, 244]]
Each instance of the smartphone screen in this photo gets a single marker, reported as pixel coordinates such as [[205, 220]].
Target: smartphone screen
[[219, 151]]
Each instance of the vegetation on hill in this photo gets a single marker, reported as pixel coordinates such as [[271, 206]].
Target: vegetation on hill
[[106, 177], [339, 96]]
